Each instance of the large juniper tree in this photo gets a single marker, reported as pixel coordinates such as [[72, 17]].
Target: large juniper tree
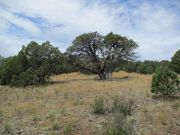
[[34, 64], [101, 54]]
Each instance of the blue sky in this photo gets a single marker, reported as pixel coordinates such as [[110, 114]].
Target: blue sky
[[153, 24]]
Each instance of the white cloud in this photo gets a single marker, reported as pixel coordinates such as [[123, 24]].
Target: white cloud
[[151, 25], [10, 45], [27, 25]]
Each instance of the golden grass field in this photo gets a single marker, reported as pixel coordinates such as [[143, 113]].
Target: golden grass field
[[66, 105]]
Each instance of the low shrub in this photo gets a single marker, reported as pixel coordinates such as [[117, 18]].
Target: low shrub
[[122, 106], [99, 105], [117, 110], [118, 125], [165, 81]]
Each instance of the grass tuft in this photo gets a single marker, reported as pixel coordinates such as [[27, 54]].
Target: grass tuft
[[55, 126], [8, 128], [99, 106], [122, 106], [118, 125], [67, 130]]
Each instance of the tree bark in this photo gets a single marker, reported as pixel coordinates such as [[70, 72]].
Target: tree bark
[[109, 75], [105, 75], [102, 76], [106, 72]]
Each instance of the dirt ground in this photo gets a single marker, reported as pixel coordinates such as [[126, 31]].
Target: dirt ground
[[65, 106]]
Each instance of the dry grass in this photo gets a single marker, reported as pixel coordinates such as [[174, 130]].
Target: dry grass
[[49, 109]]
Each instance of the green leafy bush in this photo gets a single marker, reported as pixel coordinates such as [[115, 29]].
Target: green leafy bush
[[165, 81]]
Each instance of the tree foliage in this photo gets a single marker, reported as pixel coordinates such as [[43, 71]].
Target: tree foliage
[[101, 54], [144, 67], [175, 62], [165, 81], [33, 65]]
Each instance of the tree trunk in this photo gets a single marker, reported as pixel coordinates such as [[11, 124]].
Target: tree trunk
[[109, 75], [105, 75], [102, 76]]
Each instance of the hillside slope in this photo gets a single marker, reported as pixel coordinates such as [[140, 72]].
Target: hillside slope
[[66, 104]]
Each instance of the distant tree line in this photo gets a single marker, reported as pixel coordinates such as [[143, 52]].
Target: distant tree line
[[149, 66], [144, 67], [89, 53]]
